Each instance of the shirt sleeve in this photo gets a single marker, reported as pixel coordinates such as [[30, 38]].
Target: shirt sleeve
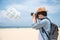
[[42, 23]]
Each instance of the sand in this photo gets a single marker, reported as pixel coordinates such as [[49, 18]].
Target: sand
[[20, 34]]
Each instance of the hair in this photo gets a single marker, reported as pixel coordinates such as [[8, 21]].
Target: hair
[[44, 13]]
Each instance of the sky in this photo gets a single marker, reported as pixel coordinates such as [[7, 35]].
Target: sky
[[17, 12]]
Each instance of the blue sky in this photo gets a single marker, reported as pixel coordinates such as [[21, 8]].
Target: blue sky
[[23, 8]]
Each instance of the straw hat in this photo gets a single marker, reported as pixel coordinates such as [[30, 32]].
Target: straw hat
[[41, 9]]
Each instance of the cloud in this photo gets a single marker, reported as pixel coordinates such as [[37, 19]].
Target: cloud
[[11, 14], [10, 17]]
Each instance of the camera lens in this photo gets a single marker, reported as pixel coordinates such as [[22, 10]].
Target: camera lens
[[32, 14]]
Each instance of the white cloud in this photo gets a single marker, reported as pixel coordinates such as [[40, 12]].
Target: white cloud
[[11, 14]]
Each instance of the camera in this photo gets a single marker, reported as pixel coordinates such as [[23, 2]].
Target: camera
[[44, 13], [34, 14]]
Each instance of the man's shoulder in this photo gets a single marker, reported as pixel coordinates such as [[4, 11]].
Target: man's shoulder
[[46, 20]]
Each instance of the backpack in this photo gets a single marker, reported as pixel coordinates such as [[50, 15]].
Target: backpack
[[53, 35]]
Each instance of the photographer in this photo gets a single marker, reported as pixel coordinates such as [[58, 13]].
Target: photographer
[[39, 20]]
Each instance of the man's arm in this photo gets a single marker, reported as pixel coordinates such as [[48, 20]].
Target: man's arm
[[39, 25]]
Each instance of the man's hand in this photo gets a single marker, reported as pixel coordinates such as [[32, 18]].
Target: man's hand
[[34, 18]]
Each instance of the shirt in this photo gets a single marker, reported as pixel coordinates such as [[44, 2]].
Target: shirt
[[45, 23]]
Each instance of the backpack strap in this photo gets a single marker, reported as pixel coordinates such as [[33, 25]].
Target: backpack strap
[[44, 29], [45, 33]]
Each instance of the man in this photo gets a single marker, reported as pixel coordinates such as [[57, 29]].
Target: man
[[40, 22]]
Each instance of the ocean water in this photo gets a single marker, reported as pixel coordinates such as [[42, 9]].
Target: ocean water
[[15, 26]]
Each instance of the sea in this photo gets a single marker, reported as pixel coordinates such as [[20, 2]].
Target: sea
[[15, 26]]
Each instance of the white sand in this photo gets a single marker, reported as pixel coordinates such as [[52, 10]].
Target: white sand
[[19, 34]]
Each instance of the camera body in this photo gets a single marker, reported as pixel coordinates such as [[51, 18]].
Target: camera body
[[34, 14]]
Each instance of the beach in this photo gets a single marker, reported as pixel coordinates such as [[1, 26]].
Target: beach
[[20, 34]]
